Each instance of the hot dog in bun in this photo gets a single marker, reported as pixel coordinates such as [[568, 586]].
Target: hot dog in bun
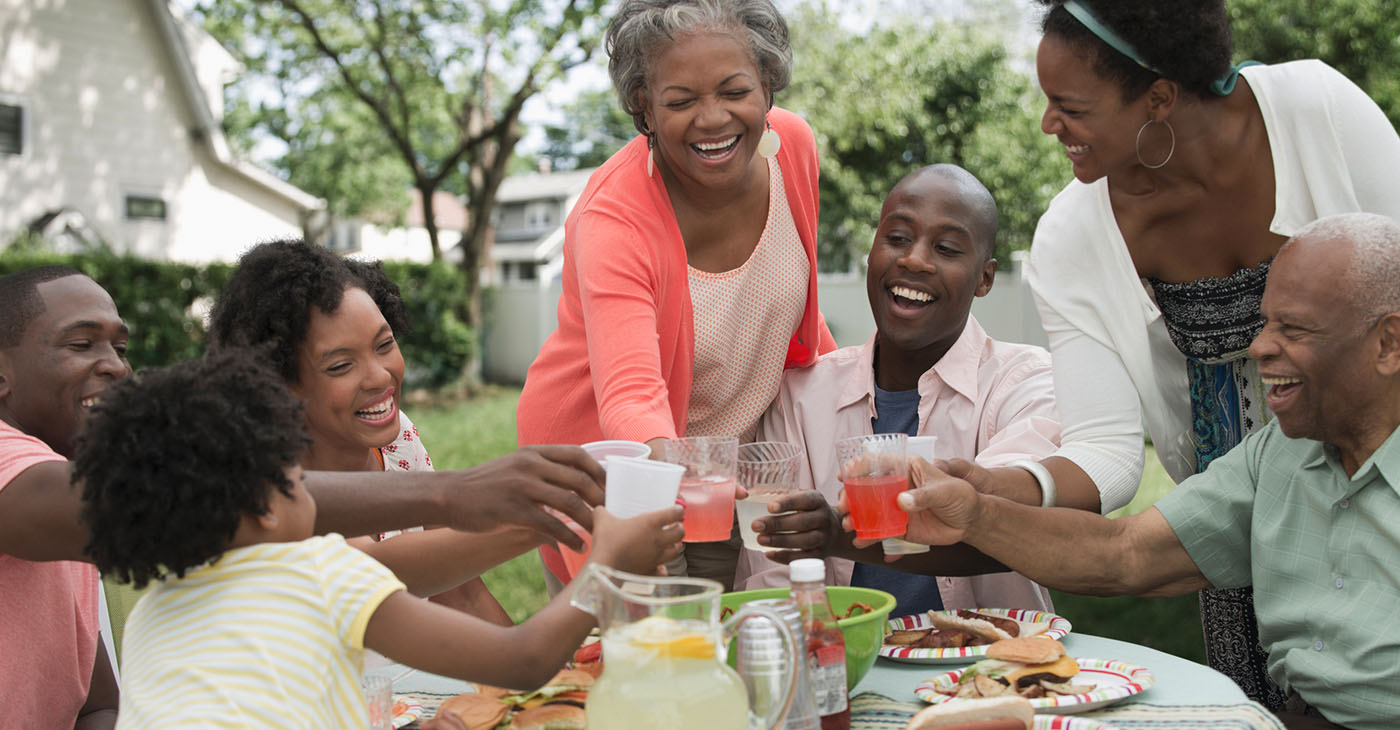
[[1001, 713]]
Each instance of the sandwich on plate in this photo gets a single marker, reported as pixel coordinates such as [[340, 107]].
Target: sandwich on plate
[[1029, 667]]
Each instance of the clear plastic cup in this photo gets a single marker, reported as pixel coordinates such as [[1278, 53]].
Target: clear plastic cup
[[708, 485], [379, 700], [874, 470], [768, 470]]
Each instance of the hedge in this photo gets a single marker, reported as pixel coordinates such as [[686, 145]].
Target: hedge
[[164, 304]]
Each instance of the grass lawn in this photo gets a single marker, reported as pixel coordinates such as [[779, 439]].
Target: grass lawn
[[459, 435]]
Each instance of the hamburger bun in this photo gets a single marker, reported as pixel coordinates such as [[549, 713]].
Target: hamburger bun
[[475, 711], [558, 716], [1026, 650], [570, 679], [999, 713]]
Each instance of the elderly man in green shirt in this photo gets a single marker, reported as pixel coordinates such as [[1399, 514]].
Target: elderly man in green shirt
[[1306, 510]]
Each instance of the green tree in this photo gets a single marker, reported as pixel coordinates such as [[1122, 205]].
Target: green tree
[[1360, 38], [595, 126], [907, 94], [352, 87]]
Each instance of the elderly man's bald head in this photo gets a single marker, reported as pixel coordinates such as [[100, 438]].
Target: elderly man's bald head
[[1371, 282]]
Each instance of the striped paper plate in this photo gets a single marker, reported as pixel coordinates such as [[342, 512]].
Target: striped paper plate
[[1112, 681], [1059, 627]]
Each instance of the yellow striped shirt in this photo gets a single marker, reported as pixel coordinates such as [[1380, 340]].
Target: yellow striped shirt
[[268, 636]]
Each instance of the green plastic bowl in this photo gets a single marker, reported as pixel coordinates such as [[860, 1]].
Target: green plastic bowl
[[863, 634]]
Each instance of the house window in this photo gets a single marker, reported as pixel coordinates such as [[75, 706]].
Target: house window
[[539, 215], [527, 270], [145, 207], [11, 129]]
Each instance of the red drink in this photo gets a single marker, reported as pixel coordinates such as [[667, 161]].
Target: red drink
[[874, 511], [709, 508]]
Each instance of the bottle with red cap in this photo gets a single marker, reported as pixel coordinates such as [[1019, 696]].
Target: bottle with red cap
[[826, 648]]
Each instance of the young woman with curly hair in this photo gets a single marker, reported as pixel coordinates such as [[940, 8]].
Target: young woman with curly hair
[[327, 325]]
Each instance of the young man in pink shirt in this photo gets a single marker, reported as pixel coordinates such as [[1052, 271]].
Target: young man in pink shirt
[[61, 344], [929, 369]]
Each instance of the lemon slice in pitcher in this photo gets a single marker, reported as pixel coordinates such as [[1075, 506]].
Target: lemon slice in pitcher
[[670, 638]]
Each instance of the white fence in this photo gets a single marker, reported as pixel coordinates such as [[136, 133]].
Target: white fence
[[520, 316]]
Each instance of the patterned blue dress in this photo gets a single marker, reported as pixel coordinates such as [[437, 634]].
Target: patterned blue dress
[[1212, 321]]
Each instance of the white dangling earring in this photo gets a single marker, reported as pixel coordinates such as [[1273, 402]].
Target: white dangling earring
[[769, 143], [645, 129]]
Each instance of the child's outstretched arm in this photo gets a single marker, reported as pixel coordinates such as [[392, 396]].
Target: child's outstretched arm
[[440, 640]]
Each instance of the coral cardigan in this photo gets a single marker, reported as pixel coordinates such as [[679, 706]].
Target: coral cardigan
[[619, 364]]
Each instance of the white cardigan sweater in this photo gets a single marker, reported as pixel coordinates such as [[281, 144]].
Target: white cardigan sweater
[[1334, 152]]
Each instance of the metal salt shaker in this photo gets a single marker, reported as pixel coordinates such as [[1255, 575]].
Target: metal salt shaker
[[762, 665]]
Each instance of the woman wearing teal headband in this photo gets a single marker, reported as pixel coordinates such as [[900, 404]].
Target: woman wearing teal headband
[[1148, 267]]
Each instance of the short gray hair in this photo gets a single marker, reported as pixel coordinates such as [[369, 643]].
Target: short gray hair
[[1373, 276], [642, 27]]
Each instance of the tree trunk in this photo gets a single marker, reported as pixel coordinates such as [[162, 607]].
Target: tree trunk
[[488, 169], [426, 189]]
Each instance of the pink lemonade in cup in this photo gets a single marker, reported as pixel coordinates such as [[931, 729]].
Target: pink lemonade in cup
[[709, 508], [874, 511], [874, 471]]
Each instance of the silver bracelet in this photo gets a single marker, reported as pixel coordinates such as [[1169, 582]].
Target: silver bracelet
[[1042, 477]]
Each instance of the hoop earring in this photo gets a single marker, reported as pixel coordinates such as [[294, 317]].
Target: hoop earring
[[651, 155], [1137, 146], [769, 143]]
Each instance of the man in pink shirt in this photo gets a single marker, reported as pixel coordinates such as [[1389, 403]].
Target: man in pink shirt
[[61, 344], [930, 369]]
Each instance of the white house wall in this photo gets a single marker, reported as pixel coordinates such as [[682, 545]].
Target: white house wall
[[218, 214], [405, 244], [106, 118]]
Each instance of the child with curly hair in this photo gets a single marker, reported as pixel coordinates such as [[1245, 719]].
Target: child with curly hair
[[191, 480]]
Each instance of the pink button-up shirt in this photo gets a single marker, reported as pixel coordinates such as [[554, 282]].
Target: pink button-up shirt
[[985, 400]]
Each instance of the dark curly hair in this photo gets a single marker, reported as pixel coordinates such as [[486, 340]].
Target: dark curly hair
[[267, 303], [171, 461], [1188, 41]]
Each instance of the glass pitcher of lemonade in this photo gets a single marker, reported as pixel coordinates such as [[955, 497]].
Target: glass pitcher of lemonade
[[663, 655]]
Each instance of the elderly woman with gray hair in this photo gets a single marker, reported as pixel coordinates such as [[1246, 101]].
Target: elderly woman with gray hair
[[690, 258]]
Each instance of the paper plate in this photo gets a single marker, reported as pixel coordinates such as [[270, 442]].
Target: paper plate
[[406, 711], [1069, 722], [1059, 627], [1113, 681]]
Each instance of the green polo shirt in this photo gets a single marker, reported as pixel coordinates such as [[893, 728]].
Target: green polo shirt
[[1322, 551]]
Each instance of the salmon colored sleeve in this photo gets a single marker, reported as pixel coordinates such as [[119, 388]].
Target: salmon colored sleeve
[[826, 343], [619, 294]]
